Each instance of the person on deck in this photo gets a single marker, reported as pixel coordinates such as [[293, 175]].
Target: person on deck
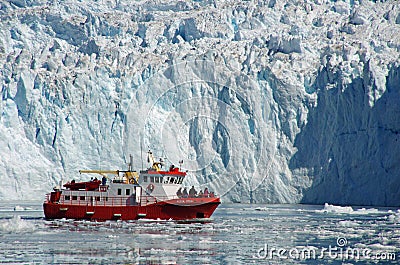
[[185, 193], [192, 192], [206, 193], [103, 181], [179, 193]]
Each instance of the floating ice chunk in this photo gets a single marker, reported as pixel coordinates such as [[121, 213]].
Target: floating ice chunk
[[366, 211], [16, 225], [380, 246], [348, 223], [395, 218], [328, 208], [19, 208]]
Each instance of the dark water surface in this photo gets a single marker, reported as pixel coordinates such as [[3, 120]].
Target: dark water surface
[[236, 234]]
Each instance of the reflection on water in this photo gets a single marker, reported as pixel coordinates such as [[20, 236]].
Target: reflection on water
[[234, 235]]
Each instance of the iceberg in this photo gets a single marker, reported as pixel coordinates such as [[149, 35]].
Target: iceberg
[[328, 208]]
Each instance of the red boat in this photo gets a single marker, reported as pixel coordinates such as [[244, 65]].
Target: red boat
[[128, 195]]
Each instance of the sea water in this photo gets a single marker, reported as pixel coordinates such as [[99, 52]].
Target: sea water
[[236, 234]]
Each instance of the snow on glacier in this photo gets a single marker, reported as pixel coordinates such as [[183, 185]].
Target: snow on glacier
[[277, 101]]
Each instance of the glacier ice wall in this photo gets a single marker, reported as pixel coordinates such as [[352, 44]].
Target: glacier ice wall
[[276, 101], [355, 154]]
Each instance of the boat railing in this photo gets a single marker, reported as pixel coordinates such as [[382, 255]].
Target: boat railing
[[107, 200], [93, 200]]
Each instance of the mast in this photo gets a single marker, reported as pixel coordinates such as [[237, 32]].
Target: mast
[[141, 152], [130, 162]]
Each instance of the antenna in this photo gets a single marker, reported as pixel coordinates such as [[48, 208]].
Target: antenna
[[141, 153], [130, 163]]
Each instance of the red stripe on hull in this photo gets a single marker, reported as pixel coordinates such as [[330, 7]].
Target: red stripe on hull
[[179, 209]]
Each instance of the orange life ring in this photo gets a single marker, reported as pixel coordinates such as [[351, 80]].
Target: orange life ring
[[150, 188]]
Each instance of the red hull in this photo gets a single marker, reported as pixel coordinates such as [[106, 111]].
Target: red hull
[[177, 209]]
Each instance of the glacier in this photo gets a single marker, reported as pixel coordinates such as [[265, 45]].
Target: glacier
[[292, 101]]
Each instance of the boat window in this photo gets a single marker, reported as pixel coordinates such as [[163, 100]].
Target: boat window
[[144, 178], [74, 198], [128, 192], [67, 198], [166, 180], [82, 198], [98, 199], [105, 199], [176, 180], [157, 179], [119, 191], [152, 179], [171, 180]]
